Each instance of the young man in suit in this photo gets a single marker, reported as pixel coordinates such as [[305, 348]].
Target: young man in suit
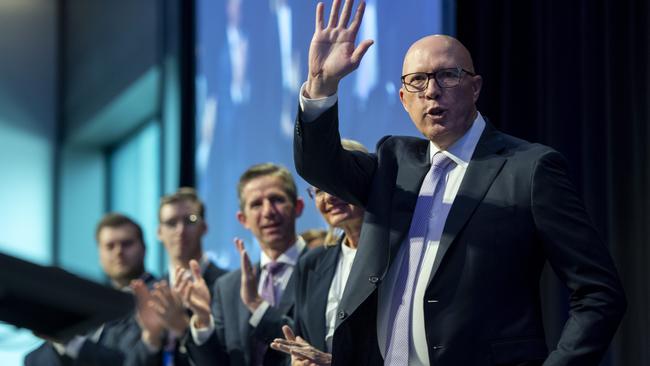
[[250, 305], [181, 228], [458, 225], [121, 254]]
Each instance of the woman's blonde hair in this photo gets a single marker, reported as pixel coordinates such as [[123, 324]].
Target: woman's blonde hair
[[333, 234]]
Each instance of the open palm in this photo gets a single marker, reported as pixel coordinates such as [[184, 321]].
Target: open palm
[[332, 53]]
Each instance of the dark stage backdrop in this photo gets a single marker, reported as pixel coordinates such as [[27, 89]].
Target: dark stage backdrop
[[574, 75]]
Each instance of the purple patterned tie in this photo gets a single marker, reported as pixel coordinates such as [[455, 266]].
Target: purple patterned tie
[[269, 291], [399, 333]]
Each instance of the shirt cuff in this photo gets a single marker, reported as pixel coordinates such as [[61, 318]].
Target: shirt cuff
[[258, 314], [313, 108], [201, 335], [70, 349]]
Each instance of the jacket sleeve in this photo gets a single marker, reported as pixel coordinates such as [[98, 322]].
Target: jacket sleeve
[[581, 260]]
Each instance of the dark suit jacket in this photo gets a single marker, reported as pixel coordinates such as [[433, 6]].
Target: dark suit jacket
[[118, 344], [234, 338], [515, 210], [314, 275]]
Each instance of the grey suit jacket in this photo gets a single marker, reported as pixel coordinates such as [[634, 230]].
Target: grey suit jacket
[[515, 210], [234, 339]]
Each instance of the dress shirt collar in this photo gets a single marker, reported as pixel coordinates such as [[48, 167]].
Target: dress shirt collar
[[290, 256], [346, 250], [462, 150]]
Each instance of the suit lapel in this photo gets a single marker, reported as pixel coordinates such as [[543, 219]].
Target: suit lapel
[[319, 284], [481, 172], [374, 255]]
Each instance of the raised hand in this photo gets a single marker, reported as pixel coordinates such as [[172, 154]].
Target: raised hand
[[302, 353], [332, 53], [194, 293], [147, 316], [249, 279]]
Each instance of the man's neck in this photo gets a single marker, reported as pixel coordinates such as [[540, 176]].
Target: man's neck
[[275, 251]]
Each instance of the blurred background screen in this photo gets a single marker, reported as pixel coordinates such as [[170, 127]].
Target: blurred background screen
[[251, 63]]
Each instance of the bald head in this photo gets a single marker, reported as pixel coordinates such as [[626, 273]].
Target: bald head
[[439, 47]]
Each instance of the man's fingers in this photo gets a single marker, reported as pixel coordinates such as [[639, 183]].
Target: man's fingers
[[288, 333], [345, 15], [334, 14], [239, 244], [195, 267], [358, 16], [361, 50], [320, 23]]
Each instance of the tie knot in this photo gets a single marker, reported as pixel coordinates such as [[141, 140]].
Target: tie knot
[[440, 161], [274, 267]]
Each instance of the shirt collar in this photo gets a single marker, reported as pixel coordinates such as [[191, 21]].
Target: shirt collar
[[290, 256], [462, 150]]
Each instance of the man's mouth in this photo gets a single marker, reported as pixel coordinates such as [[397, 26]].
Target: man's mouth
[[436, 112]]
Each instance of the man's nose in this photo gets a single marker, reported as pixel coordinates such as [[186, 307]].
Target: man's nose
[[267, 208], [433, 90]]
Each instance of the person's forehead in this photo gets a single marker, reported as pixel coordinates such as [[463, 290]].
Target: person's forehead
[[264, 185], [117, 233], [182, 207]]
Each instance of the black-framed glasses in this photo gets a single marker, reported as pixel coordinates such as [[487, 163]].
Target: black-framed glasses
[[314, 192], [189, 220], [445, 78]]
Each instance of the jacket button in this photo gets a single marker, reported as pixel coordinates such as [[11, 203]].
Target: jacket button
[[373, 279], [342, 314], [438, 347]]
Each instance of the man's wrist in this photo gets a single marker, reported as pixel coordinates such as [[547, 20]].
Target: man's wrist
[[152, 340], [200, 321], [254, 304], [318, 88]]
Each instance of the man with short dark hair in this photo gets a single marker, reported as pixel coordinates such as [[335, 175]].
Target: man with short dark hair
[[121, 254]]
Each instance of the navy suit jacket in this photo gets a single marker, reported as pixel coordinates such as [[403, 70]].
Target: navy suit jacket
[[515, 210], [314, 275]]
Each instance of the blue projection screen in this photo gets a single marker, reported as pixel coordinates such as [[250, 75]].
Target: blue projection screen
[[251, 62]]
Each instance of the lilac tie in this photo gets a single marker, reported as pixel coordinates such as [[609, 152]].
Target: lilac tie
[[399, 333], [269, 290], [270, 293]]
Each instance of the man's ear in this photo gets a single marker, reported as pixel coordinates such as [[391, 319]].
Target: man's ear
[[477, 83], [401, 99], [241, 217], [300, 205]]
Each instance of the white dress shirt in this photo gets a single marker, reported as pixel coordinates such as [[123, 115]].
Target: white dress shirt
[[460, 152], [341, 274]]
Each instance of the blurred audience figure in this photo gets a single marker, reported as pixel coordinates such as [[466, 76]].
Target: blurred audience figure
[[164, 315], [121, 248], [314, 238]]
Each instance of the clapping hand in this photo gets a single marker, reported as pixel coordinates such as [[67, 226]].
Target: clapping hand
[[194, 293], [249, 279], [302, 353]]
